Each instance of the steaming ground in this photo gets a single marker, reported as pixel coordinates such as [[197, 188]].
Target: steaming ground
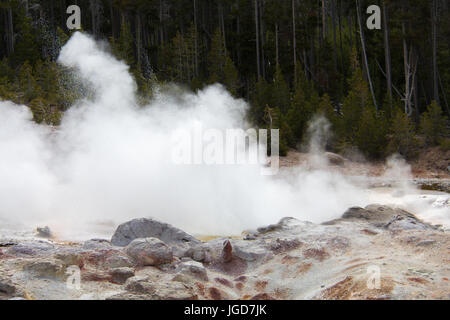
[[110, 160]]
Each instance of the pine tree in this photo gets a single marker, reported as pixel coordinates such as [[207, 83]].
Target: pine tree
[[280, 92], [26, 83], [370, 136], [260, 97], [123, 48], [302, 109], [231, 76], [216, 58], [357, 100], [433, 124], [402, 138], [27, 48]]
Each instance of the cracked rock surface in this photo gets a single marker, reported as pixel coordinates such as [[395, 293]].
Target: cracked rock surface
[[376, 252]]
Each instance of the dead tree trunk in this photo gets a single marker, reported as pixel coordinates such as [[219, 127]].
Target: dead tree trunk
[[9, 31], [257, 41], [276, 45], [294, 42], [387, 53], [196, 39], [434, 18], [363, 44]]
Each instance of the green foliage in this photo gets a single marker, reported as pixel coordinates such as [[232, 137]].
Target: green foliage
[[300, 112], [123, 48], [433, 124], [216, 58], [370, 136], [44, 112], [280, 96], [402, 136], [327, 79], [355, 102], [260, 99], [444, 144], [27, 48], [230, 76]]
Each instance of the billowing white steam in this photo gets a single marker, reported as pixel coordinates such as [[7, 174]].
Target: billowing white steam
[[110, 161]]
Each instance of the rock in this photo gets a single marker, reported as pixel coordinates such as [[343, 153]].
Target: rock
[[200, 253], [128, 296], [179, 240], [95, 274], [250, 251], [425, 243], [139, 284], [250, 236], [7, 243], [31, 248], [386, 217], [7, 287], [406, 223], [49, 268], [149, 252], [44, 232], [335, 159], [227, 251], [97, 244], [120, 275], [118, 261], [70, 256], [284, 245], [174, 291], [284, 223], [193, 269]]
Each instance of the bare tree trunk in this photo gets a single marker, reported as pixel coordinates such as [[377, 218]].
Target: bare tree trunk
[[196, 39], [111, 13], [161, 22], [333, 20], [257, 41], [350, 23], [238, 45], [387, 53], [95, 17], [407, 67], [276, 45], [9, 31], [138, 40], [222, 24], [340, 35], [434, 13], [363, 44], [294, 41], [261, 31], [324, 19]]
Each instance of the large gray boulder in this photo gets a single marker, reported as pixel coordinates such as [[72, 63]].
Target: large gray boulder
[[179, 240], [149, 252], [386, 217]]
